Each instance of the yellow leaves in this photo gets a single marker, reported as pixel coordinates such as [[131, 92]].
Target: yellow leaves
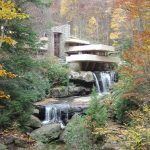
[[92, 26], [92, 21], [132, 138], [4, 73], [118, 23], [3, 95], [68, 8], [114, 35], [8, 40], [8, 11], [141, 117], [146, 109], [101, 131], [137, 137], [64, 7]]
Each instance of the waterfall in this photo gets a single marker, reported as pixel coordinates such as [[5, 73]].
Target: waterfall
[[106, 79], [54, 113], [97, 83]]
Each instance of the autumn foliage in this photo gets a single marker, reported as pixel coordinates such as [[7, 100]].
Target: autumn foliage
[[130, 98], [8, 11], [133, 16]]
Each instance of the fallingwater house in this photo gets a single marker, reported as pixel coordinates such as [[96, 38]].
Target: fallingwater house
[[93, 62], [80, 54]]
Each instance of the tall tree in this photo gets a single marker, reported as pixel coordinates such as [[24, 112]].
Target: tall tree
[[92, 28], [17, 92], [136, 69], [8, 12]]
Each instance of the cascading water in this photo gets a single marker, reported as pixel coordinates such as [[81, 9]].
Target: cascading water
[[106, 82], [113, 76], [54, 112], [106, 79], [97, 83]]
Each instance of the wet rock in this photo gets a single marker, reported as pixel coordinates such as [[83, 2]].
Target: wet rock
[[62, 137], [36, 112], [60, 92], [78, 90], [34, 122], [85, 76], [67, 91], [39, 146], [75, 66], [47, 133], [109, 146], [41, 115], [20, 143], [8, 140]]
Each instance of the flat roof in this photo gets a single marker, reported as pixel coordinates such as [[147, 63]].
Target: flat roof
[[76, 41], [91, 58], [91, 47]]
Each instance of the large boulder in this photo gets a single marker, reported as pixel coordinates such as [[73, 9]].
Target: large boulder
[[39, 146], [34, 122], [60, 92], [36, 112], [75, 66], [78, 90], [67, 91], [21, 143], [86, 76], [111, 146], [47, 133]]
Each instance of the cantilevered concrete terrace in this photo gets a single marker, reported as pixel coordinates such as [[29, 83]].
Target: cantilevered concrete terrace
[[91, 57], [92, 47], [75, 41], [91, 53]]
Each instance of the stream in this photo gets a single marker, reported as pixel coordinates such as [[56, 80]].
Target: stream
[[63, 111]]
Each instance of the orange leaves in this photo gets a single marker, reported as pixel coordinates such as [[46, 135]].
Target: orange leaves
[[127, 71], [129, 95], [142, 40], [13, 133], [134, 56], [138, 55], [139, 81], [135, 70]]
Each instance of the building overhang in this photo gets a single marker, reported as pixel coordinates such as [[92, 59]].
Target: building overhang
[[91, 48], [91, 58], [76, 41]]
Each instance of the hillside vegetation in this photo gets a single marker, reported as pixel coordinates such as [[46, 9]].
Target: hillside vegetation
[[120, 119]]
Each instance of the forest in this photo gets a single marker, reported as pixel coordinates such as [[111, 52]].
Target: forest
[[118, 120]]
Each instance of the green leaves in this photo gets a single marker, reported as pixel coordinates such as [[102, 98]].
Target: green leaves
[[77, 136], [97, 112]]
